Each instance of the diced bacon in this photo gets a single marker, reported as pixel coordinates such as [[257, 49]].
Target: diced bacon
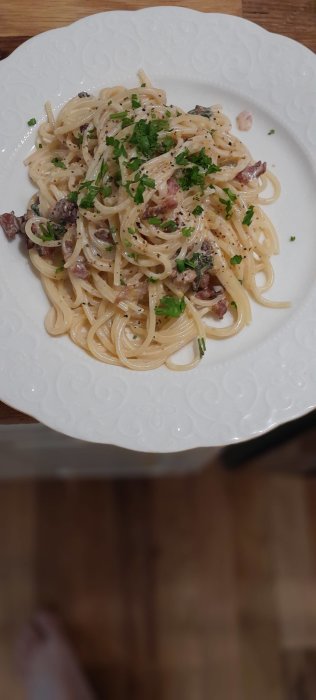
[[244, 121], [183, 278], [11, 224], [201, 111], [79, 269], [132, 293], [172, 185], [251, 172], [64, 211], [158, 209], [67, 247], [104, 235], [219, 309]]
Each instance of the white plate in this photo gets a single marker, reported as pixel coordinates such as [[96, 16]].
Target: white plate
[[245, 385]]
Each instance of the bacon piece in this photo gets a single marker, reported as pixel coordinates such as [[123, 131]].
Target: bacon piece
[[208, 287], [244, 120], [132, 292], [183, 278], [11, 224], [157, 209], [172, 185], [44, 251], [67, 247], [64, 211], [251, 172], [219, 309], [104, 235], [79, 269], [202, 111]]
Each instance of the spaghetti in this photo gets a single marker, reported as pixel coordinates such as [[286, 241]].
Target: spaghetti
[[146, 227]]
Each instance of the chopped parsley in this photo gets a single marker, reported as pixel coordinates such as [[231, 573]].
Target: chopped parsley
[[92, 133], [236, 260], [153, 280], [32, 121], [35, 209], [169, 226], [167, 143], [200, 159], [143, 182], [58, 163], [154, 221], [52, 231], [292, 238], [143, 85], [231, 198], [272, 131], [187, 231], [135, 101], [73, 197], [233, 304], [170, 306], [145, 136], [198, 210], [200, 262], [103, 170], [202, 346], [134, 164], [60, 269], [248, 215], [79, 139], [191, 177], [118, 147], [92, 190], [118, 116]]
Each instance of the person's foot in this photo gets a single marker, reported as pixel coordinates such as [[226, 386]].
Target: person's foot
[[49, 668]]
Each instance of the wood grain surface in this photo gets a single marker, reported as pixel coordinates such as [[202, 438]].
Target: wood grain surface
[[194, 588], [19, 21]]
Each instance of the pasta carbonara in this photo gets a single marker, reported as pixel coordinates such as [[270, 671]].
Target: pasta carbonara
[[146, 228]]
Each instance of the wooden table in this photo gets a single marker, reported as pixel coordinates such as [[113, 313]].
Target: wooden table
[[19, 21]]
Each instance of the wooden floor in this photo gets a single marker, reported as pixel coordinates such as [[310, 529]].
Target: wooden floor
[[195, 588]]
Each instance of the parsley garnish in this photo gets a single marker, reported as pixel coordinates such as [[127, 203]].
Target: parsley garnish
[[60, 269], [200, 159], [167, 143], [191, 177], [103, 170], [134, 164], [92, 190], [292, 238], [228, 202], [187, 231], [248, 216], [79, 139], [154, 221], [143, 85], [202, 346], [35, 209], [135, 101], [233, 304], [169, 226], [272, 131], [52, 231], [73, 197], [153, 280], [145, 136], [92, 133], [118, 116], [32, 121], [170, 306], [118, 147], [58, 163], [198, 210], [236, 260], [142, 182], [200, 262]]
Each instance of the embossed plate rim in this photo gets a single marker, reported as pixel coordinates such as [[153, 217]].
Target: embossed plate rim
[[142, 411]]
